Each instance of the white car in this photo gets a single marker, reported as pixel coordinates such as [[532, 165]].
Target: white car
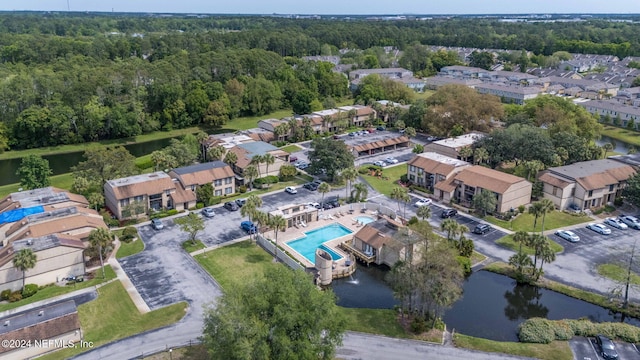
[[391, 160], [423, 202], [379, 163], [631, 221], [291, 190], [314, 205], [616, 223], [599, 228], [568, 235]]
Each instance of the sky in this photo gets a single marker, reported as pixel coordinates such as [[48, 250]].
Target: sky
[[322, 7]]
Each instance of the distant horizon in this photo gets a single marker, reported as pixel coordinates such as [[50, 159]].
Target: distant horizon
[[314, 14], [332, 7]]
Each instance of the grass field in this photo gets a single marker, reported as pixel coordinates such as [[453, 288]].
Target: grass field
[[291, 148], [617, 273], [557, 350], [128, 249], [53, 290], [114, 316], [554, 220], [626, 135], [390, 175], [189, 247], [507, 241]]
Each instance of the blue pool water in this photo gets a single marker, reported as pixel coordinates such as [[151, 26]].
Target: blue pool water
[[314, 239], [364, 219]]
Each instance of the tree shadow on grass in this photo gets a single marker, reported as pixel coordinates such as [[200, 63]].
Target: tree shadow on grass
[[255, 258]]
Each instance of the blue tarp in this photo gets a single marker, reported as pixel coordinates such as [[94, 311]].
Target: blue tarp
[[19, 214]]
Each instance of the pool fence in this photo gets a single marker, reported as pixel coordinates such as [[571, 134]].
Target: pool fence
[[281, 255]]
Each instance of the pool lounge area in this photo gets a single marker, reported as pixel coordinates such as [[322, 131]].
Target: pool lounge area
[[328, 233]]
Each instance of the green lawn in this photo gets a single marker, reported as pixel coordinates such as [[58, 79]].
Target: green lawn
[[554, 220], [387, 182], [424, 95], [557, 350], [291, 148], [248, 122], [374, 321], [128, 249], [629, 136], [189, 247], [477, 258], [114, 316], [617, 273], [507, 241], [54, 290]]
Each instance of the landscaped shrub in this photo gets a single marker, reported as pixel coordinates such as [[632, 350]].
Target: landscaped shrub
[[418, 325], [543, 331], [199, 205], [128, 234], [216, 200], [15, 296], [4, 295], [29, 290], [271, 179], [521, 209], [465, 262], [363, 170], [242, 189], [404, 178], [145, 164], [413, 220], [617, 201]]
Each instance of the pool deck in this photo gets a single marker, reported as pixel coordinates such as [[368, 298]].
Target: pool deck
[[327, 217]]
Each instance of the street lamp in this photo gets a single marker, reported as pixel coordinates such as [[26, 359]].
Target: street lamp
[[170, 355]]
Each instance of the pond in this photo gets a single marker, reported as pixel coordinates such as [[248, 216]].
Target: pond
[[62, 163], [492, 306], [621, 146]]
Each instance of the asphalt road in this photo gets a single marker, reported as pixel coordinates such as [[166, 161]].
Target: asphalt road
[[586, 349]]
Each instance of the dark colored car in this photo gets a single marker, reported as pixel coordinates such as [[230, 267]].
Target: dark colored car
[[241, 202], [449, 213], [231, 206], [310, 186], [327, 206], [380, 128], [249, 227], [317, 182], [293, 159], [607, 347], [333, 201], [481, 229]]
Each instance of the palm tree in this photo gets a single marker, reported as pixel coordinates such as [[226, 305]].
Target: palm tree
[[537, 242], [277, 223], [451, 227], [480, 155], [216, 153], [424, 212], [465, 153], [361, 192], [532, 167], [251, 207], [323, 189], [349, 174], [102, 239], [257, 160], [546, 255], [250, 173], [24, 260], [261, 218], [231, 159], [546, 206], [268, 159], [536, 210], [521, 237], [398, 194], [606, 147], [520, 260]]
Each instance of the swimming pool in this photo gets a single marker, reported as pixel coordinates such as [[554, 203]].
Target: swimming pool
[[364, 219], [314, 239]]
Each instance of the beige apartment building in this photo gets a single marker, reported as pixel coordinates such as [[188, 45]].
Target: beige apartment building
[[428, 169]]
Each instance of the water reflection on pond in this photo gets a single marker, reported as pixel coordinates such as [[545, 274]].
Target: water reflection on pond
[[492, 306]]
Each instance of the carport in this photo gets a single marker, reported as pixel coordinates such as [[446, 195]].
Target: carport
[[376, 147]]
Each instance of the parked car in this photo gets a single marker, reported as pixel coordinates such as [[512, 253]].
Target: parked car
[[336, 137], [574, 208], [317, 182], [631, 221], [568, 235], [333, 201], [391, 160], [291, 190], [310, 186], [249, 227], [423, 202], [352, 134], [314, 205], [327, 206], [379, 163], [599, 228], [293, 159], [380, 128], [157, 224], [447, 213], [371, 131], [607, 347], [241, 202], [301, 165], [482, 229], [431, 138], [208, 212], [616, 223], [231, 206]]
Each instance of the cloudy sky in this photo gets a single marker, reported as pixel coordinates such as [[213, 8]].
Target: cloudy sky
[[332, 6]]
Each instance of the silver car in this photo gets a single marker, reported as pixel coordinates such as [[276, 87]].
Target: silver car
[[568, 235]]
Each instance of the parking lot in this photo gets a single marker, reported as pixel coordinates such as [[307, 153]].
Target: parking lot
[[586, 349]]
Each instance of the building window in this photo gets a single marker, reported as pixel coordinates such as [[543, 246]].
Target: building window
[[412, 177], [590, 193], [193, 188], [227, 181], [611, 187], [217, 182], [227, 190], [412, 168], [167, 192], [218, 192], [124, 202], [555, 191]]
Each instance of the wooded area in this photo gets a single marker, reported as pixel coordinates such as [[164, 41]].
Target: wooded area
[[73, 78]]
